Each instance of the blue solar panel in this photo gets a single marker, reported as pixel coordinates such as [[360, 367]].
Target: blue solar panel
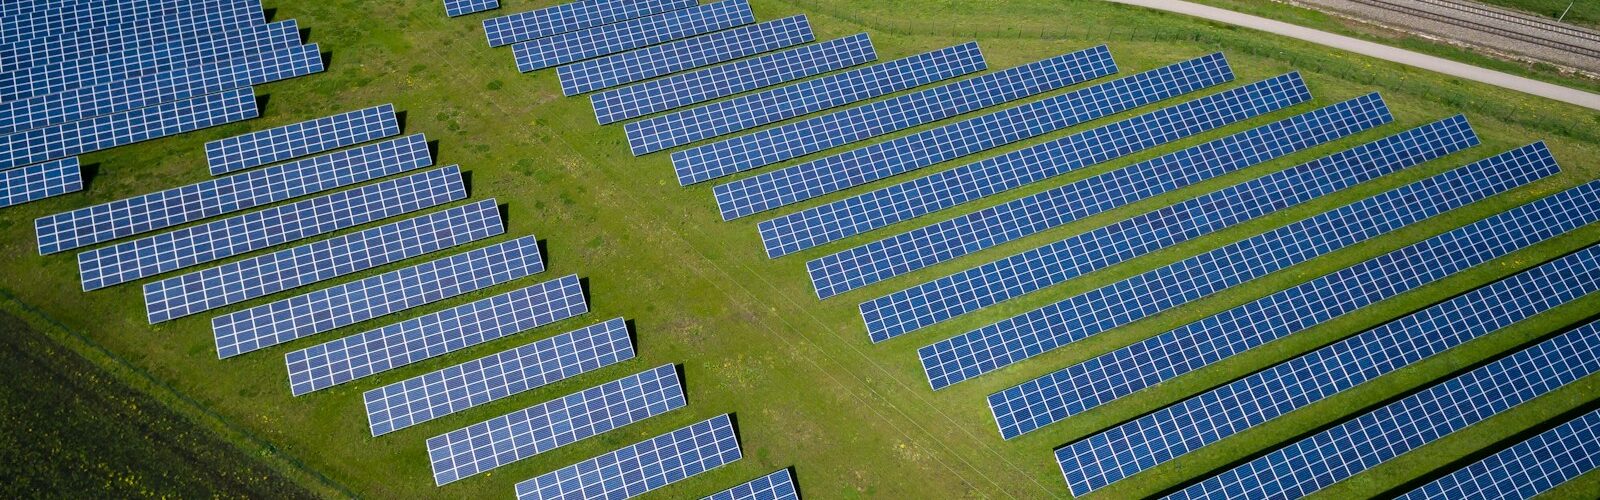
[[497, 376], [732, 78], [761, 108], [290, 268], [176, 206], [1105, 458], [546, 426], [300, 139], [39, 181], [196, 21], [777, 144], [184, 83], [350, 303], [280, 224], [108, 131], [1029, 334], [61, 17], [642, 467], [322, 366], [903, 154], [775, 486], [455, 8], [668, 58], [1527, 469], [1382, 434], [631, 34], [523, 26]]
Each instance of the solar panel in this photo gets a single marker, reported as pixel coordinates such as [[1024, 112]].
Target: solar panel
[[301, 139], [1159, 437], [1526, 470], [777, 144], [782, 103], [672, 57], [906, 153], [552, 424], [1373, 280], [184, 83], [627, 35], [1029, 334], [196, 21], [63, 17], [1022, 273], [350, 303], [325, 365], [775, 486], [108, 131], [732, 78], [39, 181], [176, 206], [290, 268], [497, 376], [455, 8], [149, 256], [642, 467], [1379, 435], [523, 26]]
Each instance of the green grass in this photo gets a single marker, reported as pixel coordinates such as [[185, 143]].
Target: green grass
[[856, 420]]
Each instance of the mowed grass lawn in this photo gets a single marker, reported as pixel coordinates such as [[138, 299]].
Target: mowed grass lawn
[[855, 420]]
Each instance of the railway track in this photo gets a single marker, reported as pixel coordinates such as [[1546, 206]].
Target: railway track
[[1479, 18]]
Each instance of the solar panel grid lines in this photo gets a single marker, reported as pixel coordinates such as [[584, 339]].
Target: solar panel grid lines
[[567, 17], [203, 17], [453, 8], [555, 50], [917, 197], [792, 140], [108, 131], [172, 207], [906, 153], [809, 96], [350, 303], [301, 139], [1527, 469], [1197, 422], [68, 18], [192, 245], [775, 486], [497, 376], [339, 361], [684, 89], [650, 62], [642, 467], [546, 426], [1377, 436], [1022, 336], [291, 268], [40, 181]]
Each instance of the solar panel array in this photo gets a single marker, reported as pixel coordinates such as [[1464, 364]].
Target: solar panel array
[[576, 46], [642, 467], [497, 376], [838, 89], [39, 181], [546, 426], [413, 340], [792, 140], [1527, 469], [711, 83], [903, 154], [455, 8], [301, 139], [568, 17], [1159, 437], [108, 131], [45, 50], [63, 17], [775, 486], [667, 58]]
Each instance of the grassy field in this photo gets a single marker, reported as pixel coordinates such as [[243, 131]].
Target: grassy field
[[855, 420]]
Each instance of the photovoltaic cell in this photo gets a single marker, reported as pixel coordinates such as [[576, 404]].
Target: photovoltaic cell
[[224, 238], [39, 181], [523, 26], [903, 154], [732, 78], [203, 17], [775, 486], [176, 206], [1526, 470], [290, 268], [301, 139], [672, 57], [547, 426], [322, 366], [774, 105], [497, 376], [455, 8], [576, 46], [784, 142], [62, 17], [642, 467], [108, 131]]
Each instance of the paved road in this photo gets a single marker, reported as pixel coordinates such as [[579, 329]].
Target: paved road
[[1564, 94]]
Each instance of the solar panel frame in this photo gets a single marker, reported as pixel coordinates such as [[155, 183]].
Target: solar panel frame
[[40, 181], [672, 57], [555, 50], [574, 16], [300, 139], [64, 18], [1526, 469], [775, 486], [201, 19], [653, 463], [108, 131], [455, 8]]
